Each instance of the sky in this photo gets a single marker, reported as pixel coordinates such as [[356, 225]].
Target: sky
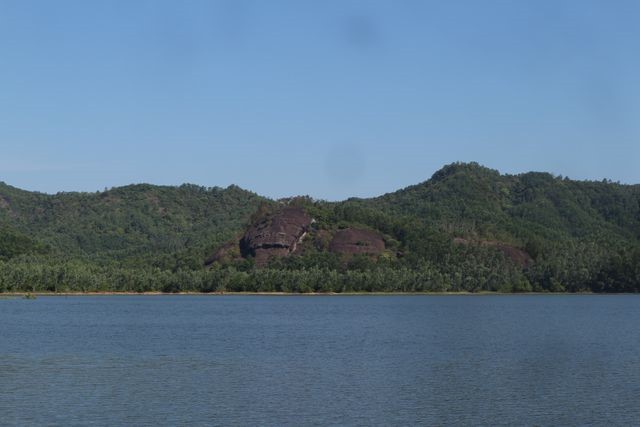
[[331, 99]]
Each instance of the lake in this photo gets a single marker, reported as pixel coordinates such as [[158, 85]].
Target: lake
[[320, 360]]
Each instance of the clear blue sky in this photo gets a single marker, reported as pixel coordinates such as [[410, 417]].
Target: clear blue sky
[[326, 98]]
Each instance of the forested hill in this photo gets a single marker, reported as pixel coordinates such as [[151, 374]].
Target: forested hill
[[134, 225], [467, 228], [473, 200]]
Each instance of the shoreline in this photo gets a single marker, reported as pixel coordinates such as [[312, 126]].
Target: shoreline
[[310, 294]]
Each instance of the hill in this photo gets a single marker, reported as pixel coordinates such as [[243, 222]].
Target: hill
[[467, 228], [134, 225]]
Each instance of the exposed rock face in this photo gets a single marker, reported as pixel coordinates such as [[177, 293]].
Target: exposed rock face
[[276, 235], [357, 241], [282, 233], [517, 255]]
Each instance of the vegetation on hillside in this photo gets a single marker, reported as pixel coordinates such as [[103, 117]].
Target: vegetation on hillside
[[446, 234]]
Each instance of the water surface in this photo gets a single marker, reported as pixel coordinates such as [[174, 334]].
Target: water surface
[[335, 360]]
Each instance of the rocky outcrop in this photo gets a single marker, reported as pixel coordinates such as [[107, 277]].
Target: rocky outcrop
[[276, 235], [289, 231], [517, 255], [351, 241]]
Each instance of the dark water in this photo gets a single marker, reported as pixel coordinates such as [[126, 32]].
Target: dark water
[[366, 360]]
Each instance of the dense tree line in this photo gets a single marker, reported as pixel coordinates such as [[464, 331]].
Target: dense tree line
[[77, 277], [471, 272]]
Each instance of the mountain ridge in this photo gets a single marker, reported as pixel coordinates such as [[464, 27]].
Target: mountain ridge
[[525, 228]]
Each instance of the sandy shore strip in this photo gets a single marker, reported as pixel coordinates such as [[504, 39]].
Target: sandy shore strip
[[9, 295]]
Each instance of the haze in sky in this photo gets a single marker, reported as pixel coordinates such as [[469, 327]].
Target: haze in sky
[[327, 98]]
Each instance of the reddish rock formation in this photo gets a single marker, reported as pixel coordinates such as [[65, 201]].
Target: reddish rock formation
[[517, 255], [276, 235], [357, 241], [280, 234]]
